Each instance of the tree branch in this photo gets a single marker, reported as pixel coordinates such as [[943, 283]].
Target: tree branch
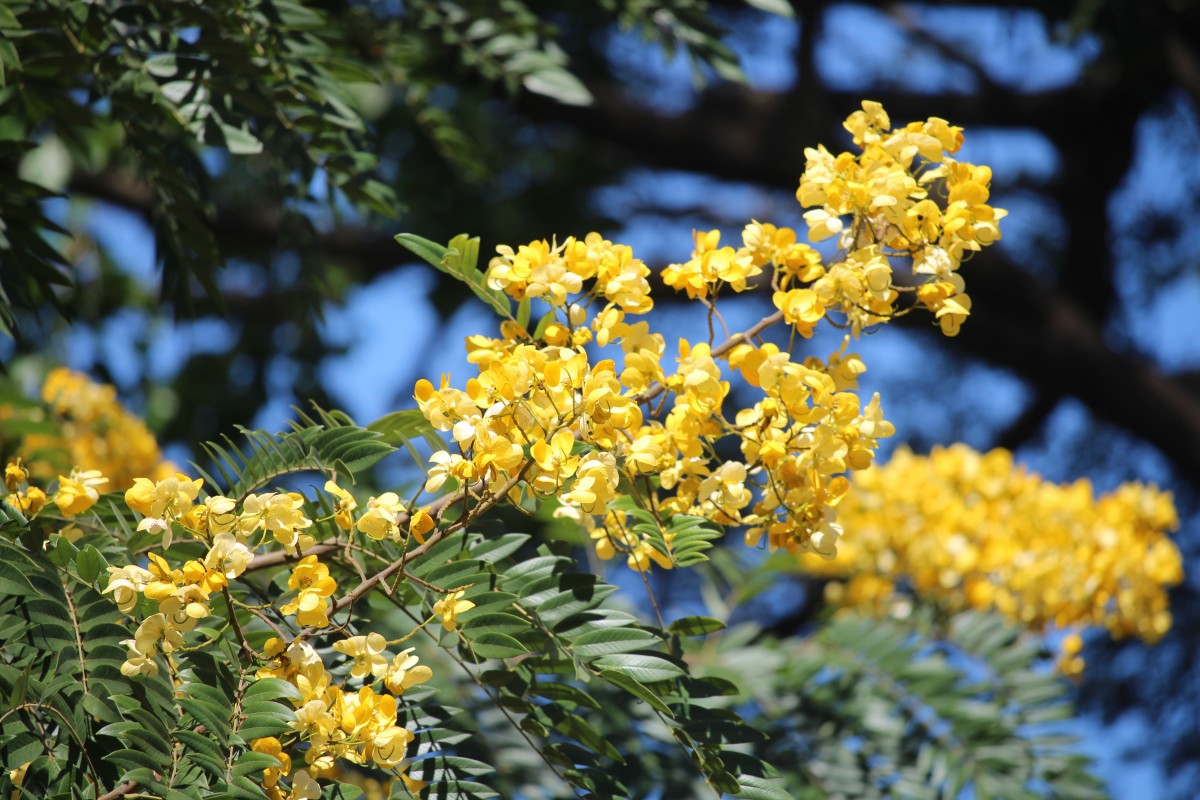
[[1041, 335], [1017, 321]]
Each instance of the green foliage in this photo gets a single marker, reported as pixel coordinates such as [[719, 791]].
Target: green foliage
[[130, 85], [68, 711], [551, 680], [890, 708], [459, 260], [568, 649], [93, 95], [332, 446]]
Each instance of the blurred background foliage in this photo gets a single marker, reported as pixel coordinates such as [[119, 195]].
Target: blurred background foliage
[[198, 203]]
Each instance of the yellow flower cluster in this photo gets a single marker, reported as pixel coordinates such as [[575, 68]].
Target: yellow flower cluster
[[541, 412], [76, 492], [890, 193], [972, 530], [96, 430], [555, 272], [541, 420], [334, 721], [183, 594]]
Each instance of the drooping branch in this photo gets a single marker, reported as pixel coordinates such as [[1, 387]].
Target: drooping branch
[[1017, 322]]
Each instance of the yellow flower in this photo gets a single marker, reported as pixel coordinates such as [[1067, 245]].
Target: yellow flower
[[405, 673], [79, 492], [1069, 662], [595, 483], [822, 224], [228, 556], [801, 308], [450, 606], [389, 746], [365, 652], [448, 465], [138, 664], [154, 629], [304, 787], [554, 461], [699, 377], [343, 509], [382, 518], [975, 530], [166, 580], [29, 502], [281, 514], [97, 431], [419, 524], [446, 406], [125, 584], [14, 475], [214, 516], [311, 581], [271, 746], [168, 499]]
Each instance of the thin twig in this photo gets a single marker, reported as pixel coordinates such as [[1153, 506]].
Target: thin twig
[[400, 563]]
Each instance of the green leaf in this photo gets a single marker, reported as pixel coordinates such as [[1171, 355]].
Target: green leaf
[[753, 788], [579, 729], [272, 688], [243, 788], [401, 426], [13, 582], [646, 669], [89, 564], [262, 727], [61, 552], [332, 446], [432, 252], [495, 645], [212, 717], [563, 692], [8, 55], [612, 641], [695, 626], [200, 742], [493, 622], [493, 550], [133, 759], [558, 84], [544, 323], [250, 764], [523, 309], [459, 260], [626, 681], [11, 517]]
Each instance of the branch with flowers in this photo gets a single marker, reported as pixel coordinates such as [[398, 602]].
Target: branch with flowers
[[316, 640]]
